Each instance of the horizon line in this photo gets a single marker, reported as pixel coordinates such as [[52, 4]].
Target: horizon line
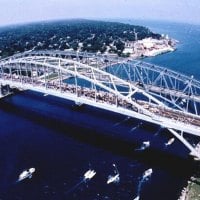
[[106, 19]]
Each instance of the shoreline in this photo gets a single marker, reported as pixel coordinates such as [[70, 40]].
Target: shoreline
[[147, 47], [192, 190]]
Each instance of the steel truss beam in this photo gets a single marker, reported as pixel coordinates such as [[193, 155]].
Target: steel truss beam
[[145, 93]]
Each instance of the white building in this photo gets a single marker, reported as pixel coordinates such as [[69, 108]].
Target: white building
[[128, 50]]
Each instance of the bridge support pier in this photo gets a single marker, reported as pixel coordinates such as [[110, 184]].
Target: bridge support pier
[[194, 151], [4, 90]]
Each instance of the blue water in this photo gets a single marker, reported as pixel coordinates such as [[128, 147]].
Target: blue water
[[62, 142], [186, 59]]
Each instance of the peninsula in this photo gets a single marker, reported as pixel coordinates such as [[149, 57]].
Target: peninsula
[[84, 35]]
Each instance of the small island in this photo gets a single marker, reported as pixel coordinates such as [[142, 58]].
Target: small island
[[110, 38]]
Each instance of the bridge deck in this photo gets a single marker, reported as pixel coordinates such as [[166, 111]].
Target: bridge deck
[[171, 92], [177, 115], [45, 71], [161, 114]]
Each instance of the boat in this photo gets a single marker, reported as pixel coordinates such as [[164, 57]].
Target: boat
[[136, 198], [146, 144], [26, 174], [147, 173], [89, 174], [113, 179], [170, 142], [77, 103]]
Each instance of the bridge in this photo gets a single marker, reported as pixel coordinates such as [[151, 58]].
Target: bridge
[[132, 88]]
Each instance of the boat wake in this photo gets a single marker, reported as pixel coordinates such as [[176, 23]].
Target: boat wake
[[158, 132], [74, 187], [136, 127], [145, 145], [146, 176], [118, 123], [86, 177], [114, 178]]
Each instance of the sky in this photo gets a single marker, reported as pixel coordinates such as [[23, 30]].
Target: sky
[[22, 11]]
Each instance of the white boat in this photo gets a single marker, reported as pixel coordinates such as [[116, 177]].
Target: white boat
[[89, 174], [136, 198], [113, 179], [145, 145], [147, 173], [170, 142], [78, 103], [26, 174]]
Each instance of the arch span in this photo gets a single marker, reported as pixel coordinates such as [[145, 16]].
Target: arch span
[[76, 80]]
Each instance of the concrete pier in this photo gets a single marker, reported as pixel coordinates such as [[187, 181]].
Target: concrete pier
[[5, 90]]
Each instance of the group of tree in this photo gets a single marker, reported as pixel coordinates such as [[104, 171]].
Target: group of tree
[[82, 35]]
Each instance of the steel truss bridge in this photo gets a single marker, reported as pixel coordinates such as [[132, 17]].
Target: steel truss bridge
[[132, 88]]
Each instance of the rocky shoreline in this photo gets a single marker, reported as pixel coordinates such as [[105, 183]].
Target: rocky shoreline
[[192, 190]]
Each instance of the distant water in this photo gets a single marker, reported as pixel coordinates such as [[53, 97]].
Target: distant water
[[62, 142], [186, 59]]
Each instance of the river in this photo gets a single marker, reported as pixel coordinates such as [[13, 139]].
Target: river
[[62, 142]]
